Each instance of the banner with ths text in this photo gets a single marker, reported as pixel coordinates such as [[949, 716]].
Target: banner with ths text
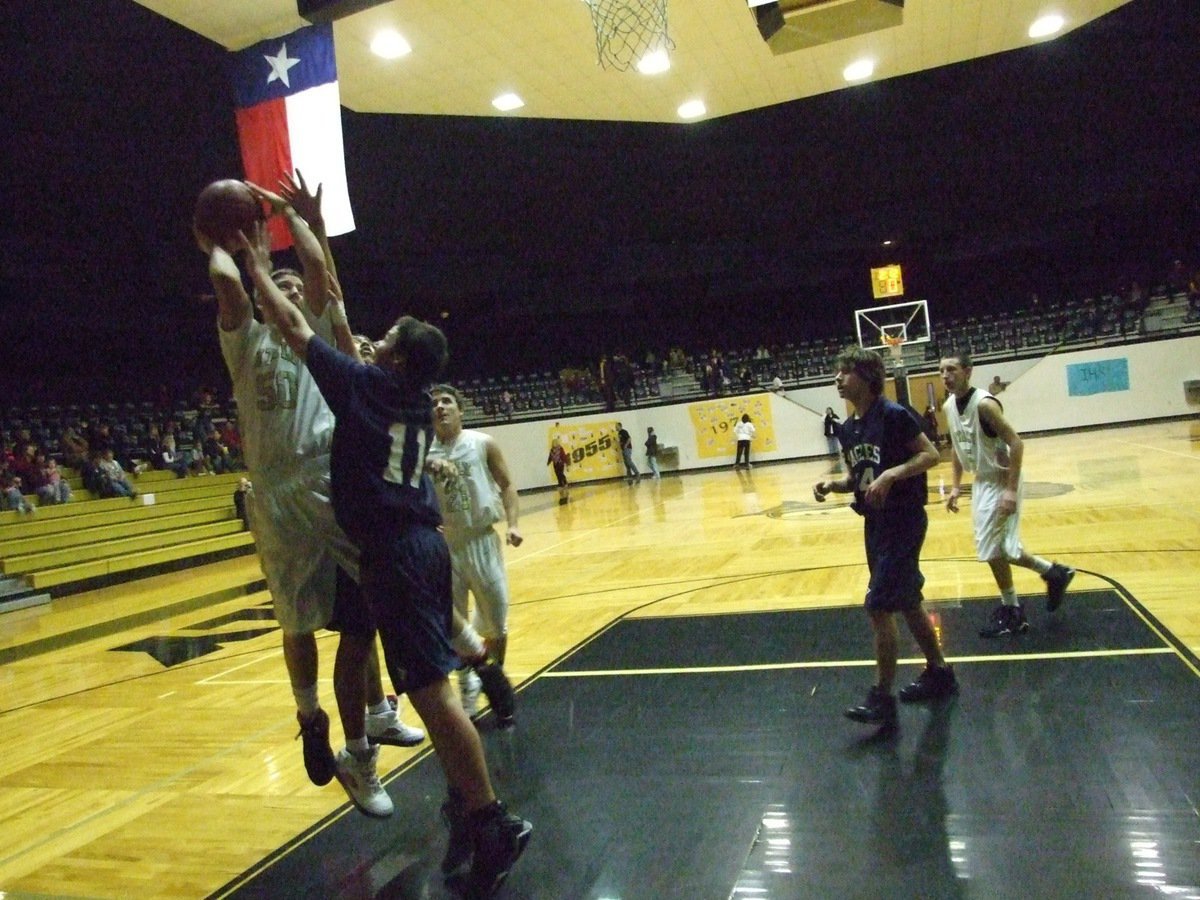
[[289, 118], [713, 422], [592, 447]]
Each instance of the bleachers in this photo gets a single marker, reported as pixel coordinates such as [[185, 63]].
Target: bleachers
[[173, 521]]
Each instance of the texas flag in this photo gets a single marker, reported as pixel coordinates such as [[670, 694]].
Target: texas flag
[[289, 117]]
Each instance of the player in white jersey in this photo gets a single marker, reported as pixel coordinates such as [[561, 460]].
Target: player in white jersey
[[985, 443], [286, 430], [480, 494]]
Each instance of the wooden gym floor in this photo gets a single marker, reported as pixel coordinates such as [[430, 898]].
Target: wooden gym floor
[[685, 649]]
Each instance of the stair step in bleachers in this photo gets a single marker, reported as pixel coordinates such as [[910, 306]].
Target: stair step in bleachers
[[82, 572], [173, 520]]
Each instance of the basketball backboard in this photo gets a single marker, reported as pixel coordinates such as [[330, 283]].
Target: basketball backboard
[[908, 321]]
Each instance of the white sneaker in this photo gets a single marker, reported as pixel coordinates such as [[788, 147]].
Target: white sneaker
[[469, 687], [362, 784], [386, 728]]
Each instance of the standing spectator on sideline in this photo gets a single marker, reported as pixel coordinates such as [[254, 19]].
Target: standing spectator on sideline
[[887, 455], [831, 431], [997, 386], [560, 459], [625, 442], [652, 452], [744, 432], [287, 441], [478, 493], [986, 444], [386, 505]]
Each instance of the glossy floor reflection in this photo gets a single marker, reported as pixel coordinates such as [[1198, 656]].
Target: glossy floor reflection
[[1068, 766]]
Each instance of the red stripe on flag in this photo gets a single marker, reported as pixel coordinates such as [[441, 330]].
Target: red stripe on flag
[[267, 154]]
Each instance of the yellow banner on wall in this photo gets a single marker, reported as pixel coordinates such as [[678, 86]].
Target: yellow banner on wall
[[592, 447], [713, 422]]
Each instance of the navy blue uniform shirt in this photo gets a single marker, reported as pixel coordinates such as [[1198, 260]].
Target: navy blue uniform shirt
[[379, 443], [878, 441]]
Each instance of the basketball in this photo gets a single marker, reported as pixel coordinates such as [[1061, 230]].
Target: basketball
[[224, 208]]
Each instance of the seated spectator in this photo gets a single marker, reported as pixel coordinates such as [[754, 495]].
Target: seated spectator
[[216, 454], [49, 485], [74, 447], [776, 385], [113, 480], [171, 459], [10, 492], [232, 439]]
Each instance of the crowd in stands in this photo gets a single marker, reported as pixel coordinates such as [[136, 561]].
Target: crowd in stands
[[199, 436], [620, 379], [107, 443]]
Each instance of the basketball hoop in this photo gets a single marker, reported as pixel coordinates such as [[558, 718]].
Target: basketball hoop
[[895, 343], [630, 33]]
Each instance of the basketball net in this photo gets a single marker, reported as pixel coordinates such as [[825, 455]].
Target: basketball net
[[895, 344], [628, 30]]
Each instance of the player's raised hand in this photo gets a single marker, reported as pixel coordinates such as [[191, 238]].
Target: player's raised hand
[[277, 203], [304, 201]]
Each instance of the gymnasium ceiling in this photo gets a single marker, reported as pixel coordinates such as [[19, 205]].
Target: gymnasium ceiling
[[467, 52]]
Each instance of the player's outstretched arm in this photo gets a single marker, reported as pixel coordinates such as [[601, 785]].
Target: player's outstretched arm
[[508, 491], [233, 304], [308, 248], [277, 309], [308, 204]]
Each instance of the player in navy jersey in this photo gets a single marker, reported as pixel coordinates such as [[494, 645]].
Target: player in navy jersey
[[384, 501], [887, 454]]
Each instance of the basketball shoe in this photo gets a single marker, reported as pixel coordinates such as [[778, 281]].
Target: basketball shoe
[[498, 839], [1057, 578], [386, 728], [935, 683], [878, 709], [1005, 620], [318, 757], [359, 778]]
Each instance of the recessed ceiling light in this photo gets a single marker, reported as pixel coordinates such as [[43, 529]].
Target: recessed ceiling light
[[693, 109], [390, 45], [888, 242], [508, 102], [857, 71], [1046, 26], [654, 62]]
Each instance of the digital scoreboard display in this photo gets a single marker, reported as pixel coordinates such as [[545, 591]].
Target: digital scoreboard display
[[887, 281]]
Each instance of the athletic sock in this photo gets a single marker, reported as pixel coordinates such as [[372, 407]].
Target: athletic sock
[[307, 700], [380, 708], [1009, 597], [467, 643], [360, 747], [1041, 566]]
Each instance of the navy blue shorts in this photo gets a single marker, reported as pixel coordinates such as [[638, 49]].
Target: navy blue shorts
[[894, 540], [406, 580], [351, 612]]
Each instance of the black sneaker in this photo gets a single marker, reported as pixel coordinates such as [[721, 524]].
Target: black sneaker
[[1057, 579], [458, 847], [878, 709], [318, 756], [932, 684], [498, 839], [499, 691], [1005, 620]]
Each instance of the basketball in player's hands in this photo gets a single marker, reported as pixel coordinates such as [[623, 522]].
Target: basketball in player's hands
[[223, 209]]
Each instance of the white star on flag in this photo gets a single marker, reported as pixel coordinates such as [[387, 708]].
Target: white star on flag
[[280, 65]]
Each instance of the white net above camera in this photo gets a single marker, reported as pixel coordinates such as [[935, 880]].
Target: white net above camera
[[629, 31]]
